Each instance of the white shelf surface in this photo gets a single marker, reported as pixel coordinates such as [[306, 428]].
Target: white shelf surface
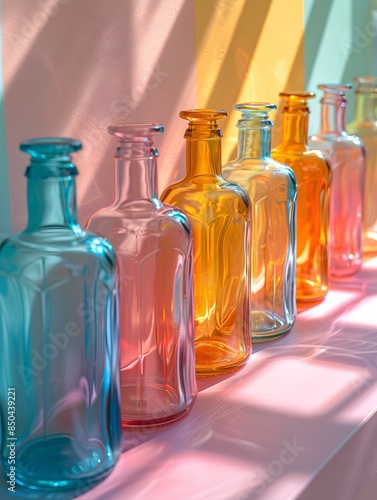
[[297, 422]]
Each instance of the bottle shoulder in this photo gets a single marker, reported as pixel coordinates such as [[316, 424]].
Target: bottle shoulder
[[85, 248], [122, 217], [205, 188], [128, 233], [264, 170], [367, 132], [311, 158], [354, 127], [326, 140]]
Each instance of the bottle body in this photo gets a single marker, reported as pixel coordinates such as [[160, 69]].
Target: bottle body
[[219, 214], [153, 243], [364, 125], [273, 192], [58, 294], [154, 254], [312, 172]]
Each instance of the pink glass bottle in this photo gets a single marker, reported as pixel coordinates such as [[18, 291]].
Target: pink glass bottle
[[347, 161], [153, 243]]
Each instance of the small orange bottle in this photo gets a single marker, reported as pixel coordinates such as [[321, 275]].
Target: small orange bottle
[[219, 213], [312, 172]]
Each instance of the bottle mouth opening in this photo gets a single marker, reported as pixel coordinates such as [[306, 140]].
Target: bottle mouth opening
[[135, 132], [255, 107], [254, 111], [296, 101], [335, 89], [50, 147], [50, 157], [366, 84], [299, 96], [203, 117], [203, 123], [366, 80]]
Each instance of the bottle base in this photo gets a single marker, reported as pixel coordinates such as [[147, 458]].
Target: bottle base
[[151, 405], [344, 272], [344, 264], [309, 291], [215, 358], [370, 244], [61, 461], [265, 326]]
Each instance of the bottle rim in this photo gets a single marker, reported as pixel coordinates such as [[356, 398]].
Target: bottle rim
[[203, 115], [335, 88], [134, 131], [366, 84], [255, 107], [50, 147], [297, 95]]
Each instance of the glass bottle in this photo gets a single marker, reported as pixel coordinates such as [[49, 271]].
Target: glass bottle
[[59, 360], [153, 243], [347, 160], [312, 172], [219, 213], [273, 192], [364, 125]]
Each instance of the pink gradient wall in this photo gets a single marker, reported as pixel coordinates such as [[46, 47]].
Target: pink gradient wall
[[73, 67]]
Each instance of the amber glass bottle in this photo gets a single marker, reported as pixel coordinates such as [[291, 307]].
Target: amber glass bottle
[[312, 172], [273, 192], [364, 125], [219, 213]]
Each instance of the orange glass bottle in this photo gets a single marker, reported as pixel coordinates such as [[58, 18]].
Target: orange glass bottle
[[312, 172], [219, 213]]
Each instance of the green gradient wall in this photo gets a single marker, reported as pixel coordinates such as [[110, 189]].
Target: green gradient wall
[[340, 43]]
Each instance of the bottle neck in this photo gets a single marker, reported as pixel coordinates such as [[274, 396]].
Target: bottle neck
[[203, 157], [295, 130], [365, 107], [333, 114], [136, 172], [254, 143], [52, 203]]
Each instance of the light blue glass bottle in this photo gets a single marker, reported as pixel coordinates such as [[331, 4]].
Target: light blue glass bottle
[[59, 356], [272, 188]]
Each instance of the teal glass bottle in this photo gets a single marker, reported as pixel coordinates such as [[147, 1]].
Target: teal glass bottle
[[59, 356], [272, 188]]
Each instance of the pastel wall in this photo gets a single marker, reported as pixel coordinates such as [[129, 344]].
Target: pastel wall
[[72, 68], [247, 50], [340, 43]]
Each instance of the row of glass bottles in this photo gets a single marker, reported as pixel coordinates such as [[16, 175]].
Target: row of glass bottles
[[62, 279]]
